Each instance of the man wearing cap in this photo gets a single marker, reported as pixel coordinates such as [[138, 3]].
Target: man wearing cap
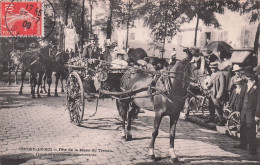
[[235, 101], [92, 50], [217, 87], [248, 111], [198, 61], [237, 71]]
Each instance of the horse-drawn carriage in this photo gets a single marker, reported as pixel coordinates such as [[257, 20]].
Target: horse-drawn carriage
[[90, 79], [163, 92]]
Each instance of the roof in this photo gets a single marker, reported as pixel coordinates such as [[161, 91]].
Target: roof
[[239, 56]]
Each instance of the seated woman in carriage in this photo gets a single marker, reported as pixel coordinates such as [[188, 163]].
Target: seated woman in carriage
[[119, 62]]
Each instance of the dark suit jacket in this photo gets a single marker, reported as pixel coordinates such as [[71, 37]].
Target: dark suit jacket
[[249, 107], [89, 52]]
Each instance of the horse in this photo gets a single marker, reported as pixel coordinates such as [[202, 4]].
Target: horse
[[37, 61], [165, 96], [57, 65], [61, 70]]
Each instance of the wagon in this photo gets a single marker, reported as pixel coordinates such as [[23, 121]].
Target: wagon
[[92, 79]]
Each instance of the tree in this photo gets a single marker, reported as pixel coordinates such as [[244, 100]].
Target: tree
[[164, 17], [203, 10], [252, 7]]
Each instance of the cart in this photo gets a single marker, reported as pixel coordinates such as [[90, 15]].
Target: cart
[[93, 80]]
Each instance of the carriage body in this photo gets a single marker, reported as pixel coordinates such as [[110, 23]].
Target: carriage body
[[87, 79]]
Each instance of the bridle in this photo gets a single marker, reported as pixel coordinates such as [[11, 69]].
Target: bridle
[[168, 83]]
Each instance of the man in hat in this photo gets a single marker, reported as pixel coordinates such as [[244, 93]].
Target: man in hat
[[216, 86], [248, 111], [198, 61], [211, 57], [237, 71], [92, 50], [235, 101]]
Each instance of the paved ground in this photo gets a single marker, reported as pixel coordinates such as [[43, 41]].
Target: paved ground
[[42, 125]]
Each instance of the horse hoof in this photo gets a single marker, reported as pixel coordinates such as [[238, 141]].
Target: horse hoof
[[152, 157], [129, 137], [62, 90], [38, 96], [49, 95], [56, 95], [20, 93], [33, 97], [174, 160]]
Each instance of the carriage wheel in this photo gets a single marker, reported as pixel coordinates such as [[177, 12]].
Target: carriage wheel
[[199, 105], [75, 98], [226, 113], [233, 123]]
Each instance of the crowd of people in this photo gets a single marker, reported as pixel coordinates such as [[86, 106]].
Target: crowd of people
[[234, 87], [229, 85]]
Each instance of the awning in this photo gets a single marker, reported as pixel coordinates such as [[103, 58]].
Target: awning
[[239, 56]]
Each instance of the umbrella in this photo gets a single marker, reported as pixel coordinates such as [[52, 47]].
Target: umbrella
[[219, 46]]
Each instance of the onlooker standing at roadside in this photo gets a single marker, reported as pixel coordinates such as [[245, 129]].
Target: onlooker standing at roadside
[[217, 86], [235, 102], [247, 121]]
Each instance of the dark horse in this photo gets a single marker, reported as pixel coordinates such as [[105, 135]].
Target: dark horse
[[57, 65], [37, 61], [166, 96]]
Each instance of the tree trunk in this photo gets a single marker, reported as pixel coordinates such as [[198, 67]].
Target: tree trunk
[[196, 30], [91, 7], [82, 25], [165, 27], [109, 22], [127, 25]]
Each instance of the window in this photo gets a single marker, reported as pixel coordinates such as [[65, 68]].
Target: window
[[132, 36]]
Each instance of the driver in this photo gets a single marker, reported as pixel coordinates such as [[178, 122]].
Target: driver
[[91, 50]]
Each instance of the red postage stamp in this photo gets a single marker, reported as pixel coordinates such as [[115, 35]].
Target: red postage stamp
[[21, 19]]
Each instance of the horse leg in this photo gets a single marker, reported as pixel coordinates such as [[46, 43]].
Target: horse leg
[[131, 115], [173, 123], [44, 80], [23, 72], [49, 81], [56, 84], [61, 81], [33, 84], [122, 110], [157, 122], [39, 84]]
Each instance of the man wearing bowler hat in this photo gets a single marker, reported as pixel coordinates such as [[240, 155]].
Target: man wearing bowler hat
[[248, 112], [217, 87], [92, 50]]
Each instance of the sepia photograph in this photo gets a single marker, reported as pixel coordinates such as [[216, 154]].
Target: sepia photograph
[[129, 82]]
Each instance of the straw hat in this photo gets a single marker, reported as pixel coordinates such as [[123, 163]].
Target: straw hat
[[236, 68]]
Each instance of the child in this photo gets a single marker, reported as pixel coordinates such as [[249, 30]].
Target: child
[[235, 101]]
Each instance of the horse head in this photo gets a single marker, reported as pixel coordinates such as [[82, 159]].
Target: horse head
[[62, 57]]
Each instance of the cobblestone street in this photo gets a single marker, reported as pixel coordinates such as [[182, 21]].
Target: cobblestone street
[[42, 126]]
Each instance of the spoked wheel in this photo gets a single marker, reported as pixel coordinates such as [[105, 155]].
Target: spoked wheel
[[226, 113], [199, 105], [75, 98], [233, 123]]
